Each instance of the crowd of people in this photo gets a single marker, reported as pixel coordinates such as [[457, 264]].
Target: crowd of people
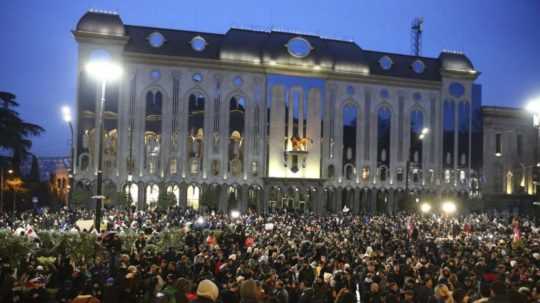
[[282, 258]]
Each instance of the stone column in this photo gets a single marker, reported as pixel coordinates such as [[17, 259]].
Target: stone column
[[364, 200], [242, 205], [317, 201], [390, 205], [373, 201], [356, 201], [182, 199], [222, 192], [262, 199], [142, 196], [338, 197]]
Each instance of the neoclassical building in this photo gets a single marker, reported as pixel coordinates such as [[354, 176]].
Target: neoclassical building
[[271, 119]]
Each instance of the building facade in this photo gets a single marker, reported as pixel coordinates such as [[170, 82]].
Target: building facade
[[269, 120], [510, 154]]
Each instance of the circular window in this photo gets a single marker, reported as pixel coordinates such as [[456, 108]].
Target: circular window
[[156, 39], [456, 89], [417, 96], [238, 81], [155, 74], [385, 62], [197, 77], [299, 47], [418, 66], [198, 43]]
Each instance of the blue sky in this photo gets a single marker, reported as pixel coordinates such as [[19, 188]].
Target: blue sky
[[501, 37]]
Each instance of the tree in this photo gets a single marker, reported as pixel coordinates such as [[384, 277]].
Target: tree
[[15, 132], [166, 200], [119, 200], [81, 198]]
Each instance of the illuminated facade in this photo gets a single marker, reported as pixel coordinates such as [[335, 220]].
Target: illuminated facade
[[510, 148], [267, 120]]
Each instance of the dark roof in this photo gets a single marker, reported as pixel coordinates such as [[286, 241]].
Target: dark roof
[[177, 43], [105, 23], [242, 45], [402, 66]]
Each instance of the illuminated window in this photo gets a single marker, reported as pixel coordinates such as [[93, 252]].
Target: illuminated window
[[365, 173], [132, 192], [193, 197], [447, 176], [172, 167], [174, 190], [509, 183], [152, 194]]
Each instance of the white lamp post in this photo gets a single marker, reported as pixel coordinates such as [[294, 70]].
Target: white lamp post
[[533, 107], [66, 115], [103, 71]]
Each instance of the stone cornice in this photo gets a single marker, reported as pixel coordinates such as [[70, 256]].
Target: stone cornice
[[88, 37]]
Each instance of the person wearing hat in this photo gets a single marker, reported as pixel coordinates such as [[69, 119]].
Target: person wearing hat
[[207, 292]]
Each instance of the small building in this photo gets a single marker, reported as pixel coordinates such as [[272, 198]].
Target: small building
[[510, 156]]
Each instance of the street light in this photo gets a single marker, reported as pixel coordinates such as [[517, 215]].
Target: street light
[[448, 207], [200, 220], [533, 107], [424, 133], [235, 214], [425, 208], [9, 171], [66, 115], [103, 71]]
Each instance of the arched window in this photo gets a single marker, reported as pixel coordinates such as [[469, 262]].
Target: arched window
[[152, 131], [152, 194], [132, 192], [384, 118], [448, 134], [331, 171], [417, 124], [350, 120], [509, 183], [237, 121], [174, 190], [195, 148], [193, 197], [463, 135]]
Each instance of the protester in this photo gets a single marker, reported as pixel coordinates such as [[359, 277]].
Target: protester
[[182, 255]]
